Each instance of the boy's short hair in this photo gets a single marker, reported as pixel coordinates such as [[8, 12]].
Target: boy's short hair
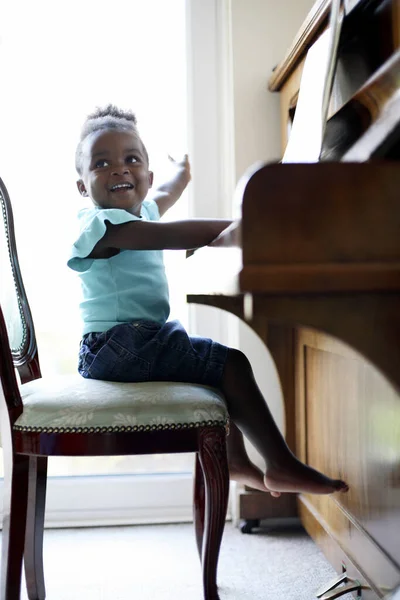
[[109, 117]]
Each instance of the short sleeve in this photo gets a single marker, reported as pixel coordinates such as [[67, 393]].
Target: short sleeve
[[151, 208], [93, 227]]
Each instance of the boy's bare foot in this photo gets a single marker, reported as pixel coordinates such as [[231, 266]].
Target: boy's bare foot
[[297, 477], [247, 473]]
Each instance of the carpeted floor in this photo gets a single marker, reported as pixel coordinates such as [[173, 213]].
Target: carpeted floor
[[160, 562]]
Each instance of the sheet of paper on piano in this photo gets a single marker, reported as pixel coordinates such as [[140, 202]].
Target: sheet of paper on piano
[[305, 141]]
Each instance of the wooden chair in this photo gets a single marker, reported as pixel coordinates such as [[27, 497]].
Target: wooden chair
[[194, 418]]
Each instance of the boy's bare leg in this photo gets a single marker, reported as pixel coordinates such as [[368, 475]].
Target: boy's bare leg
[[241, 468], [249, 411]]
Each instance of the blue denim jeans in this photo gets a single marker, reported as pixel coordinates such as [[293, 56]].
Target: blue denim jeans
[[148, 351]]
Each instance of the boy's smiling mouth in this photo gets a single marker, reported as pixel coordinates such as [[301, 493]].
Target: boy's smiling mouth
[[121, 187]]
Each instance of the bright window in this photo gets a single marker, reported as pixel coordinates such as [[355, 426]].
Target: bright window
[[58, 63]]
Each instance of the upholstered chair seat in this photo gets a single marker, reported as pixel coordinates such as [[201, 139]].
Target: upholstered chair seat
[[72, 404]]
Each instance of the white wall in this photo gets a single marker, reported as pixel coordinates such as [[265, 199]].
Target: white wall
[[262, 31]]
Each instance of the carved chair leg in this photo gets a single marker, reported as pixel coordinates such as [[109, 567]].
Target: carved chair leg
[[33, 553], [14, 520], [213, 459], [199, 500]]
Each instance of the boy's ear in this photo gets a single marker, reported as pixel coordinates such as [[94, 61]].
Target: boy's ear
[[81, 188], [151, 177]]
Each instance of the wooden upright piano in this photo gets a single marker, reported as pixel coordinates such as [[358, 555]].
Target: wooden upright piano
[[318, 278]]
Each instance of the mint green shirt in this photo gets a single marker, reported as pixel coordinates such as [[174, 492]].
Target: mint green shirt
[[129, 286]]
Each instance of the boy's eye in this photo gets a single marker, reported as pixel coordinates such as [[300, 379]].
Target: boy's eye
[[132, 159], [101, 163]]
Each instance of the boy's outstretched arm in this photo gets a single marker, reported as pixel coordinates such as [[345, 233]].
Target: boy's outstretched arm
[[168, 193], [159, 235]]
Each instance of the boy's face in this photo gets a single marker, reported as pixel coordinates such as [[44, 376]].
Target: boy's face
[[115, 172]]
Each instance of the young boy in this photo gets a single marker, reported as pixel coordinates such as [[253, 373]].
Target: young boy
[[126, 335]]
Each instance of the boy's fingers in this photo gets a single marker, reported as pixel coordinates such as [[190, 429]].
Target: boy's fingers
[[185, 158]]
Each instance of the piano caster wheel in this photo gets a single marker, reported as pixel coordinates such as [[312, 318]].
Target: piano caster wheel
[[248, 525]]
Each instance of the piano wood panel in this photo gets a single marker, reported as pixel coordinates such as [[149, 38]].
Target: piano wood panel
[[325, 213], [351, 429]]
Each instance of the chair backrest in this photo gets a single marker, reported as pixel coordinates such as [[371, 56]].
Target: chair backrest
[[10, 398], [16, 314]]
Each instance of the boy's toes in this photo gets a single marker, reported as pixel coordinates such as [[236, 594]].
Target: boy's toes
[[341, 486]]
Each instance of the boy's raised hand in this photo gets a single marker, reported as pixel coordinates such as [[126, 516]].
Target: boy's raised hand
[[183, 166], [168, 193]]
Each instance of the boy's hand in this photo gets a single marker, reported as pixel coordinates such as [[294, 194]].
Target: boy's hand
[[183, 166], [168, 193], [231, 236]]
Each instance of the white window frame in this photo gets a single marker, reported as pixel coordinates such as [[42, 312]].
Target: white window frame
[[132, 499], [211, 139]]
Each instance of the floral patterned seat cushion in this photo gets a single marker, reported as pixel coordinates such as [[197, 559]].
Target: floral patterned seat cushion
[[73, 404]]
